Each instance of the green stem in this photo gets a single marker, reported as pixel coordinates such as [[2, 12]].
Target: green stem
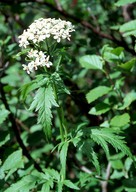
[[63, 130], [63, 120], [48, 49]]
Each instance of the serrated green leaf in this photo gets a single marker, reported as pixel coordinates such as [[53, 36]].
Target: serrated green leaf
[[71, 185], [128, 65], [124, 2], [9, 173], [117, 51], [117, 164], [112, 55], [27, 88], [128, 163], [43, 101], [102, 142], [91, 62], [117, 174], [106, 48], [63, 155], [86, 147], [2, 174], [99, 109], [96, 162], [117, 156], [24, 185], [46, 186], [129, 33], [54, 174], [14, 161], [60, 84], [97, 92], [3, 114], [107, 135], [84, 178], [60, 186], [120, 120], [4, 137], [128, 28], [129, 98]]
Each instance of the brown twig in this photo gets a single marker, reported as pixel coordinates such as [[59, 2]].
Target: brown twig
[[104, 184], [20, 123], [58, 5]]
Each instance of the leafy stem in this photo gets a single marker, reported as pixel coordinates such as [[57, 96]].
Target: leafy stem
[[60, 113]]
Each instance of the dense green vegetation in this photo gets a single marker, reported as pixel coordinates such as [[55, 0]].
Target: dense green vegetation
[[67, 96]]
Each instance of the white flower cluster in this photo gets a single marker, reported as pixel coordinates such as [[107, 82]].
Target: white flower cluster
[[38, 31], [41, 29], [38, 59]]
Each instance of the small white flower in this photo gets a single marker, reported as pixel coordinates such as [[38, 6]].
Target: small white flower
[[48, 64], [26, 68], [31, 66], [32, 53]]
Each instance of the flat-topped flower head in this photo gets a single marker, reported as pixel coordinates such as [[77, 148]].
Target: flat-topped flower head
[[42, 29]]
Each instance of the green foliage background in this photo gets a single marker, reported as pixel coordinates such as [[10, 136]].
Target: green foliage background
[[97, 92]]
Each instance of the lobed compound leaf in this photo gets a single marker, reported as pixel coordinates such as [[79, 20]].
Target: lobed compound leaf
[[95, 162], [105, 136], [100, 141], [63, 155], [43, 102]]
